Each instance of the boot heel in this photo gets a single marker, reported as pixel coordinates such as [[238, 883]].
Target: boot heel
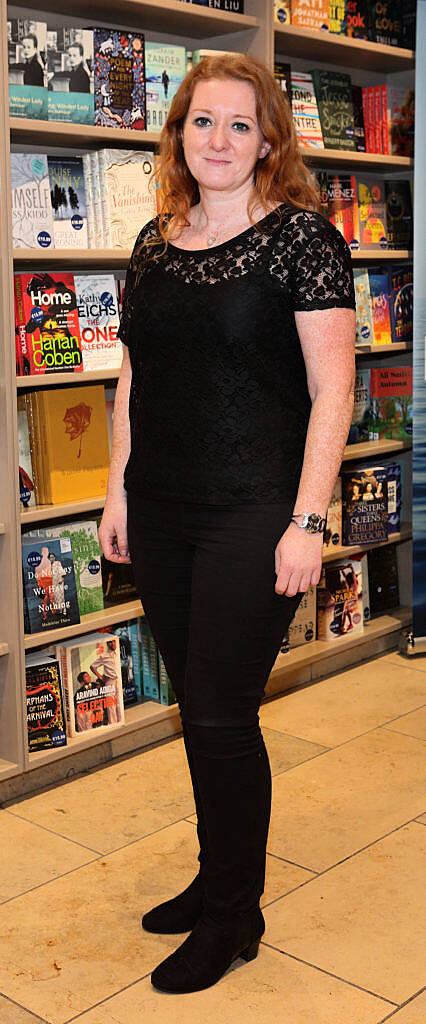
[[251, 952]]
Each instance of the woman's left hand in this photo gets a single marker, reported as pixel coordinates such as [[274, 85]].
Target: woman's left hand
[[298, 560]]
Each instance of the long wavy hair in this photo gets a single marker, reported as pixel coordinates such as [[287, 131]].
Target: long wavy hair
[[280, 176]]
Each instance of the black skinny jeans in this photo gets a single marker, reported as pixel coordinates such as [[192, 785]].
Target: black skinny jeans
[[206, 576]]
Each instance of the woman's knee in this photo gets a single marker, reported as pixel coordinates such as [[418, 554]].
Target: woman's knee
[[223, 741]]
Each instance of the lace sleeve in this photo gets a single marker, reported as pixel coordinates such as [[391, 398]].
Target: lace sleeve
[[321, 266], [127, 307]]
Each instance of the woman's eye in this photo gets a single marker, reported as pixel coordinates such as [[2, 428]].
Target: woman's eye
[[241, 124], [197, 119]]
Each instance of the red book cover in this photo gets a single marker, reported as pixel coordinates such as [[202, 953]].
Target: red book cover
[[47, 323], [366, 121], [377, 119], [370, 105], [343, 206], [385, 122]]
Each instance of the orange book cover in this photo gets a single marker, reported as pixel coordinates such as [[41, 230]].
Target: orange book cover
[[75, 442], [310, 13]]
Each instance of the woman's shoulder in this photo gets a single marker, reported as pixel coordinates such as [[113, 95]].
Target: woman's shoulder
[[304, 224], [147, 232]]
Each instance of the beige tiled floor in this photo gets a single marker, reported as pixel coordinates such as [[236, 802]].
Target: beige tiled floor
[[344, 899]]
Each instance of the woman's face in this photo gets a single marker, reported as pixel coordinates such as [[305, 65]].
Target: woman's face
[[221, 137]]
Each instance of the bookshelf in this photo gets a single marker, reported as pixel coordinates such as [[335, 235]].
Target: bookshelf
[[256, 33]]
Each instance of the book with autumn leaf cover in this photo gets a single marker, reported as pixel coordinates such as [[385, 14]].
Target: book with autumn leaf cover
[[73, 441]]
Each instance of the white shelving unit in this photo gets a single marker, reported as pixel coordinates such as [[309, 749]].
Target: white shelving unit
[[195, 26]]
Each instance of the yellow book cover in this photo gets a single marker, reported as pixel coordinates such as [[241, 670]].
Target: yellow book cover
[[310, 13], [76, 452]]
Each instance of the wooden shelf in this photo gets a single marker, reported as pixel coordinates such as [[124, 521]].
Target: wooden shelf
[[360, 549], [42, 513], [59, 133], [370, 449], [7, 769], [168, 16], [338, 49], [106, 617], [378, 255], [384, 350], [73, 257], [4, 649], [2, 529], [49, 380], [359, 161]]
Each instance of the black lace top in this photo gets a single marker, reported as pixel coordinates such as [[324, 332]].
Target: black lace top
[[219, 404]]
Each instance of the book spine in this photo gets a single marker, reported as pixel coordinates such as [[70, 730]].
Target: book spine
[[19, 366], [88, 185], [96, 198], [26, 361], [370, 103], [377, 119], [385, 119], [366, 120], [41, 428], [105, 211], [34, 451]]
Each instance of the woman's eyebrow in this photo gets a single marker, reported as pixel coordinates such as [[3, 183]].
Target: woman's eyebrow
[[206, 110]]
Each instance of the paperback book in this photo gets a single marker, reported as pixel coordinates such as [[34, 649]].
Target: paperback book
[[119, 59], [165, 69], [305, 110], [49, 584], [401, 302], [359, 429], [68, 199], [131, 678], [25, 468], [343, 206], [338, 601], [399, 214], [334, 97], [364, 321], [47, 327], [364, 505], [303, 627], [333, 526], [99, 321], [70, 73], [32, 220], [128, 194], [391, 413], [372, 213], [86, 551], [27, 72], [310, 13], [91, 674], [45, 709], [383, 579], [380, 310]]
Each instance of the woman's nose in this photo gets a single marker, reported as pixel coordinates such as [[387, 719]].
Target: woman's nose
[[218, 137]]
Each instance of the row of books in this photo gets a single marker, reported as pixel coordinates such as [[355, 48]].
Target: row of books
[[349, 592], [98, 200], [330, 112], [384, 305], [87, 682], [383, 406], [370, 212], [390, 22]]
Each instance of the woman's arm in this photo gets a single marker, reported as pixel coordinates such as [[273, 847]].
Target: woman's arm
[[327, 338], [113, 527]]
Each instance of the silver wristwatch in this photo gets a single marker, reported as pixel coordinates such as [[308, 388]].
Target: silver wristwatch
[[312, 522]]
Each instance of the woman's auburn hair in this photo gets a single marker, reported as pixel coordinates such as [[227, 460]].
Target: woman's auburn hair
[[280, 176]]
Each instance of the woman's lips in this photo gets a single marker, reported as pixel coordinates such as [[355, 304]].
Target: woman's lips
[[210, 160]]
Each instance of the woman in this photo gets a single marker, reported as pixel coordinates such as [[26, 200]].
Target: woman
[[238, 317]]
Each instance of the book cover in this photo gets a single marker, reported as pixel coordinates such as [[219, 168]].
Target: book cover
[[167, 694], [88, 188], [304, 106], [98, 217], [119, 59], [49, 583], [372, 213], [165, 69], [337, 16], [109, 406], [282, 75], [400, 105], [75, 442], [399, 214], [343, 207], [391, 415], [383, 579], [86, 551], [377, 119], [32, 218], [385, 22], [45, 709], [408, 19], [151, 683], [359, 126], [384, 120], [99, 321], [27, 73], [333, 526], [360, 564], [333, 91], [321, 180], [127, 653], [359, 429], [47, 322], [401, 302], [25, 468], [91, 673], [303, 627], [364, 320], [357, 19], [282, 12], [70, 73], [364, 505], [394, 497], [380, 308], [68, 200], [338, 603], [117, 581], [128, 194], [310, 13]]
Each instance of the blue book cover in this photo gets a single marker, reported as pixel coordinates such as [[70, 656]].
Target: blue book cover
[[165, 69], [364, 505], [149, 661], [128, 681], [68, 202], [119, 61], [401, 302], [361, 413], [394, 497], [49, 583], [27, 70], [70, 74]]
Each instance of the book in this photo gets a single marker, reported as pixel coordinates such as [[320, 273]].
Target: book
[[49, 584], [360, 565], [282, 12], [400, 106], [99, 321], [401, 302], [357, 19], [339, 607], [45, 708], [321, 180], [131, 681], [399, 214], [391, 413], [310, 13], [359, 429], [68, 200], [70, 73], [380, 308], [91, 674], [48, 331], [128, 194], [25, 468], [378, 119], [303, 627], [304, 106], [32, 219], [384, 120], [166, 692], [151, 683], [165, 69], [337, 17], [118, 582], [364, 505], [119, 60], [394, 497], [359, 126], [364, 320], [343, 207], [98, 217], [198, 55], [282, 75], [385, 22], [27, 73], [88, 188], [383, 579], [333, 526], [86, 552], [334, 97], [372, 213], [109, 407], [408, 19]]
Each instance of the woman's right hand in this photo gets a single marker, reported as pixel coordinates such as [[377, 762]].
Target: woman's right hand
[[113, 531]]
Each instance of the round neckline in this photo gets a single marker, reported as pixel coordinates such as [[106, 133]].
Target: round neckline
[[220, 245]]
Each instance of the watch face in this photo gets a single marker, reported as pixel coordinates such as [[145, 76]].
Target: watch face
[[314, 522]]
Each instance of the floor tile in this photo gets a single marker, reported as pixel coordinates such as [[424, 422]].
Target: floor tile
[[272, 987], [413, 724], [412, 661], [38, 856], [286, 751], [364, 919], [118, 803], [330, 807], [12, 1014], [347, 704], [413, 1013]]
